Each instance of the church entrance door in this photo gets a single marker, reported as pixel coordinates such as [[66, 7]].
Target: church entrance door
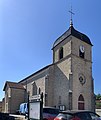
[[81, 105]]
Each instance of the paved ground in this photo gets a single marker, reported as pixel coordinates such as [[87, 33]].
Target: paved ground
[[18, 117]]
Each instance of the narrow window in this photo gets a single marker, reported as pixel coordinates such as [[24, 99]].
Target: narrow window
[[34, 89], [81, 54], [39, 90], [61, 53], [81, 51]]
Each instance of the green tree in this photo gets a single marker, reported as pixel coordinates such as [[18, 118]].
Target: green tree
[[98, 97]]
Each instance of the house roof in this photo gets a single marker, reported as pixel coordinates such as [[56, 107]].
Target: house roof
[[73, 32], [13, 85]]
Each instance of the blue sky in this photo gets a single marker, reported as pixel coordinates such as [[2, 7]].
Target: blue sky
[[28, 29]]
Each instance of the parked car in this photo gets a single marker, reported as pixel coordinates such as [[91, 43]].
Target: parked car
[[23, 108], [49, 113], [77, 115]]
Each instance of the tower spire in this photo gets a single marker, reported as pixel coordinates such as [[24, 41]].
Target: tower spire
[[71, 20]]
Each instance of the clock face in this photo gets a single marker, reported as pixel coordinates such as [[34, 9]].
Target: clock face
[[82, 49]]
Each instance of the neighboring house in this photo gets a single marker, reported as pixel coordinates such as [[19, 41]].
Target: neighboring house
[[67, 82], [14, 96]]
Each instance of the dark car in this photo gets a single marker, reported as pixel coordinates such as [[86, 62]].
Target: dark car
[[49, 113], [5, 116], [77, 115]]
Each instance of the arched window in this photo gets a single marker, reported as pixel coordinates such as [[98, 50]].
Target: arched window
[[82, 51], [34, 89], [61, 53], [81, 54], [81, 105]]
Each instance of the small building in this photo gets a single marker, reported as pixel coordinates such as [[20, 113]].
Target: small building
[[14, 96]]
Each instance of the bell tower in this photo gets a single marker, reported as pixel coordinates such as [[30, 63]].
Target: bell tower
[[72, 58]]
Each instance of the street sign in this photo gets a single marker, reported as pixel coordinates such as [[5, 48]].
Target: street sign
[[35, 97]]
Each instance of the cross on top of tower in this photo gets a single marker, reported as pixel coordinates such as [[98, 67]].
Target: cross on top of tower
[[71, 21]]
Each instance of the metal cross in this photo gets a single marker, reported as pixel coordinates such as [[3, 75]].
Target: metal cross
[[71, 12]]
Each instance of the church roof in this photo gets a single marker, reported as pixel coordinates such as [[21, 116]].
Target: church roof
[[35, 73], [73, 32]]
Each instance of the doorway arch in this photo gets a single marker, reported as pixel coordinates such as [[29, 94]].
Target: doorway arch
[[81, 102]]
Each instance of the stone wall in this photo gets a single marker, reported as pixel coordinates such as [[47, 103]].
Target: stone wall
[[18, 97]]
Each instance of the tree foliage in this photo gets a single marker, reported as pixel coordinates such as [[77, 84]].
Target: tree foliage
[[98, 101], [98, 97]]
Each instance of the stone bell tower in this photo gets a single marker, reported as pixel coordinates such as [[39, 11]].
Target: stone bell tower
[[72, 58]]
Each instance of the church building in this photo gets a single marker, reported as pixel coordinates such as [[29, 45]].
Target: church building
[[67, 83]]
